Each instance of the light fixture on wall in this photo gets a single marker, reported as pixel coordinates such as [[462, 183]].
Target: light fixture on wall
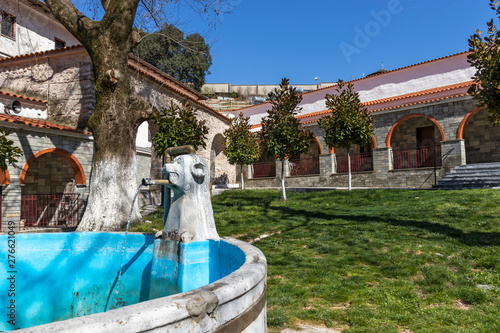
[[14, 108]]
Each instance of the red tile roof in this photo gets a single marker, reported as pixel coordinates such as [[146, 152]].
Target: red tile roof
[[435, 94], [22, 97], [144, 68], [40, 124]]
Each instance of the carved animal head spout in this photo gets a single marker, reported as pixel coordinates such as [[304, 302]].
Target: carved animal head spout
[[190, 217]]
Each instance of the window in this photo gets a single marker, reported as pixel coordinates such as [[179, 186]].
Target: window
[[59, 43], [8, 25]]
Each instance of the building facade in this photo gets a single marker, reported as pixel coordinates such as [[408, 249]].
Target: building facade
[[47, 96], [425, 124]]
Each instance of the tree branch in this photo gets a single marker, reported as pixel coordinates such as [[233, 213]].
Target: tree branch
[[75, 21]]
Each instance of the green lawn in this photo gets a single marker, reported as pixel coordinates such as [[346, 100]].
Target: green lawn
[[374, 260]]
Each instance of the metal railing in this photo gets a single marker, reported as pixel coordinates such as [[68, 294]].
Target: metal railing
[[50, 210], [359, 162], [264, 169], [434, 172], [302, 167], [421, 157]]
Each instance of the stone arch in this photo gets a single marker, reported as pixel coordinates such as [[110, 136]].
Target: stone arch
[[408, 117], [70, 158], [217, 157], [468, 116], [308, 162], [481, 138], [319, 145], [5, 177]]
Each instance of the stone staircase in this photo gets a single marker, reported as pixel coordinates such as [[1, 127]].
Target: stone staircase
[[484, 175]]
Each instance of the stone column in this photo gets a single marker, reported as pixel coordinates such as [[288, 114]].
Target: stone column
[[327, 165], [453, 153], [382, 159], [11, 206]]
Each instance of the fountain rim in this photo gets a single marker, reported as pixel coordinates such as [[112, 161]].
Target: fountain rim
[[246, 287]]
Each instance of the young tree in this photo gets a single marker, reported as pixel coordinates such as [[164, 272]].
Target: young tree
[[348, 124], [178, 127], [8, 152], [185, 58], [242, 146], [282, 134], [485, 56], [119, 110]]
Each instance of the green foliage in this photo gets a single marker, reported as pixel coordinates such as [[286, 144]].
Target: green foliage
[[8, 152], [185, 58], [242, 146], [178, 127], [485, 56], [282, 134], [349, 123]]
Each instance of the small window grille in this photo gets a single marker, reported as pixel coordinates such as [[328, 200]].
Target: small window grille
[[8, 25]]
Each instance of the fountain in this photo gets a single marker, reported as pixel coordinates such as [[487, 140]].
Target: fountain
[[186, 279]]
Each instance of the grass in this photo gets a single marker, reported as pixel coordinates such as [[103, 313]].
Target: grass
[[374, 260]]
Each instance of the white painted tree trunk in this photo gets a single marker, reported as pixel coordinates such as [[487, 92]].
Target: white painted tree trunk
[[112, 189], [283, 179], [242, 180], [349, 168]]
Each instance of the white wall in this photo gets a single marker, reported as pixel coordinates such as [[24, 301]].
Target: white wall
[[142, 139], [29, 110], [35, 31]]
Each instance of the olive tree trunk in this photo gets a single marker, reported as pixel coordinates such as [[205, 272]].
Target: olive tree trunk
[[118, 112]]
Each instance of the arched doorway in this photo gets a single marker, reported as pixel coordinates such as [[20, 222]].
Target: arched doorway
[[361, 158], [308, 162], [265, 166], [50, 195], [482, 139], [218, 162], [416, 142]]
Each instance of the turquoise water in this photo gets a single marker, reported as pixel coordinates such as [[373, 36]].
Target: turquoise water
[[60, 276]]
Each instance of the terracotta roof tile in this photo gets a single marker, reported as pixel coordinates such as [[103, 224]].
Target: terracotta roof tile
[[142, 67], [448, 90], [40, 124], [22, 97], [42, 53]]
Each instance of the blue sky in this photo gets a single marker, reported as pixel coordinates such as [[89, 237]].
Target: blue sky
[[259, 42]]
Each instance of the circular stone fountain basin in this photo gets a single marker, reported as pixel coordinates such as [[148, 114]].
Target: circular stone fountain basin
[[71, 282]]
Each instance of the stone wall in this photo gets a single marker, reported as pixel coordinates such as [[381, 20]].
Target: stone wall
[[48, 174], [160, 98], [47, 171], [482, 139], [448, 114], [65, 82]]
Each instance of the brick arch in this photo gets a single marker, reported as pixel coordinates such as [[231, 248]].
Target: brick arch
[[374, 141], [319, 145], [408, 117], [5, 177], [72, 160], [468, 116]]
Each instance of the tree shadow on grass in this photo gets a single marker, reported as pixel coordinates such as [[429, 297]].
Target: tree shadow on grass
[[305, 218]]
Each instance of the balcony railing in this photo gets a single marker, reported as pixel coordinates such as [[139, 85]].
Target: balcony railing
[[264, 169], [359, 163], [422, 157], [50, 210], [302, 167]]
